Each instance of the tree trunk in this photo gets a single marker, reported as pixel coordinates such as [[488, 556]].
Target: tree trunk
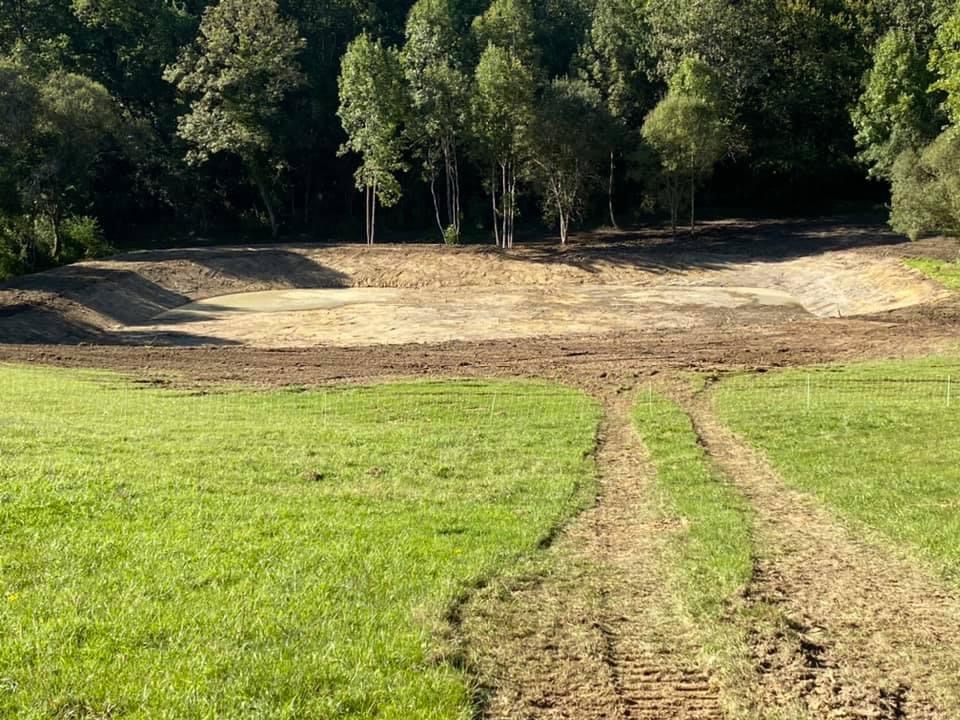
[[493, 195], [367, 204], [57, 242], [456, 193], [505, 202], [436, 204], [693, 205], [613, 216], [265, 196], [373, 215]]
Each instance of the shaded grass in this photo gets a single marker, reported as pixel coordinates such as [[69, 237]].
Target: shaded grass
[[713, 550], [877, 443], [945, 273], [263, 555]]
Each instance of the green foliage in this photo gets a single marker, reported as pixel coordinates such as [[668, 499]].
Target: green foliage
[[373, 110], [876, 443], [896, 112], [688, 132], [926, 188], [618, 58], [83, 239], [237, 74], [264, 554], [511, 25], [945, 61], [451, 235]]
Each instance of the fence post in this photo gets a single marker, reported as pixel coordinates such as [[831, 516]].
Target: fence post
[[809, 393], [949, 389]]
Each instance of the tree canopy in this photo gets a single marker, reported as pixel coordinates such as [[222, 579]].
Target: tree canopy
[[219, 116]]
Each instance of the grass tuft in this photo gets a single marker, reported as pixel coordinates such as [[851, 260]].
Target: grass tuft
[[945, 273], [714, 551]]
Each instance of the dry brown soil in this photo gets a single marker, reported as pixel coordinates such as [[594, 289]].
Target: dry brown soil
[[844, 628]]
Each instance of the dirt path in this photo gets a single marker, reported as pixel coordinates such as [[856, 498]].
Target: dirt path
[[839, 627], [596, 637]]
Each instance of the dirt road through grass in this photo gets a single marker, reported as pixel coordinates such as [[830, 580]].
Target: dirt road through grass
[[598, 636], [839, 626]]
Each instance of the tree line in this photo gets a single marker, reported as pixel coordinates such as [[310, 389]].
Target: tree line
[[129, 116]]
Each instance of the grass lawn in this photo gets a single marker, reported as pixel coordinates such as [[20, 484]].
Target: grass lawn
[[877, 443], [946, 273], [714, 551], [166, 554]]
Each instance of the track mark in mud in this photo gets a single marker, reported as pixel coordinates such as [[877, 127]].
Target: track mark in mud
[[596, 638], [837, 626]]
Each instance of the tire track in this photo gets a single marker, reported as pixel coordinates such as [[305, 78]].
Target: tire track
[[839, 627], [599, 639]]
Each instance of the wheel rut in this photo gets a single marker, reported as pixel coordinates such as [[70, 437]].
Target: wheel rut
[[600, 638], [838, 626]]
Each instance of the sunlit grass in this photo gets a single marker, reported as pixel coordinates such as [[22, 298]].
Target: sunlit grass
[[946, 273], [711, 553], [263, 555], [877, 443]]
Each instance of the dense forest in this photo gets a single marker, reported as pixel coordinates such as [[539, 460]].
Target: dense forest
[[128, 119]]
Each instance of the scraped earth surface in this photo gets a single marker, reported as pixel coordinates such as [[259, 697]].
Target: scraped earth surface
[[847, 630], [733, 273]]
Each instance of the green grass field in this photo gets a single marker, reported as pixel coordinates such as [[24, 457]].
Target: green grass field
[[168, 554], [946, 273], [877, 443], [713, 555]]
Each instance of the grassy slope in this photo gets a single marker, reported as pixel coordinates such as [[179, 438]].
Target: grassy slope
[[878, 444], [946, 273], [714, 552], [281, 555]]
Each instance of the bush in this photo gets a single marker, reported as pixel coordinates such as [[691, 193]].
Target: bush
[[82, 239], [926, 188], [17, 246], [451, 236]]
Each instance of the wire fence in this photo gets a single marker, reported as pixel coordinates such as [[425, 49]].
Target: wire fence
[[816, 389]]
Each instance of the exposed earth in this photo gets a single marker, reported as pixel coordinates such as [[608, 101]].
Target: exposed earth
[[611, 313]]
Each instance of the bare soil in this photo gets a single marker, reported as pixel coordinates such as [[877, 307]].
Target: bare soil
[[474, 293], [842, 628]]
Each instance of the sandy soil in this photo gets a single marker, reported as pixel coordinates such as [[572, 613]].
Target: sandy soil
[[473, 293]]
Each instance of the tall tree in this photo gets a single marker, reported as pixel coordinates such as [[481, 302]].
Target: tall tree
[[618, 60], [434, 61], [237, 73], [567, 148], [502, 113], [373, 107], [76, 117], [896, 112], [688, 132]]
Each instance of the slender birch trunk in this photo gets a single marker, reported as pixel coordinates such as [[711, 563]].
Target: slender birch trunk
[[613, 216]]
